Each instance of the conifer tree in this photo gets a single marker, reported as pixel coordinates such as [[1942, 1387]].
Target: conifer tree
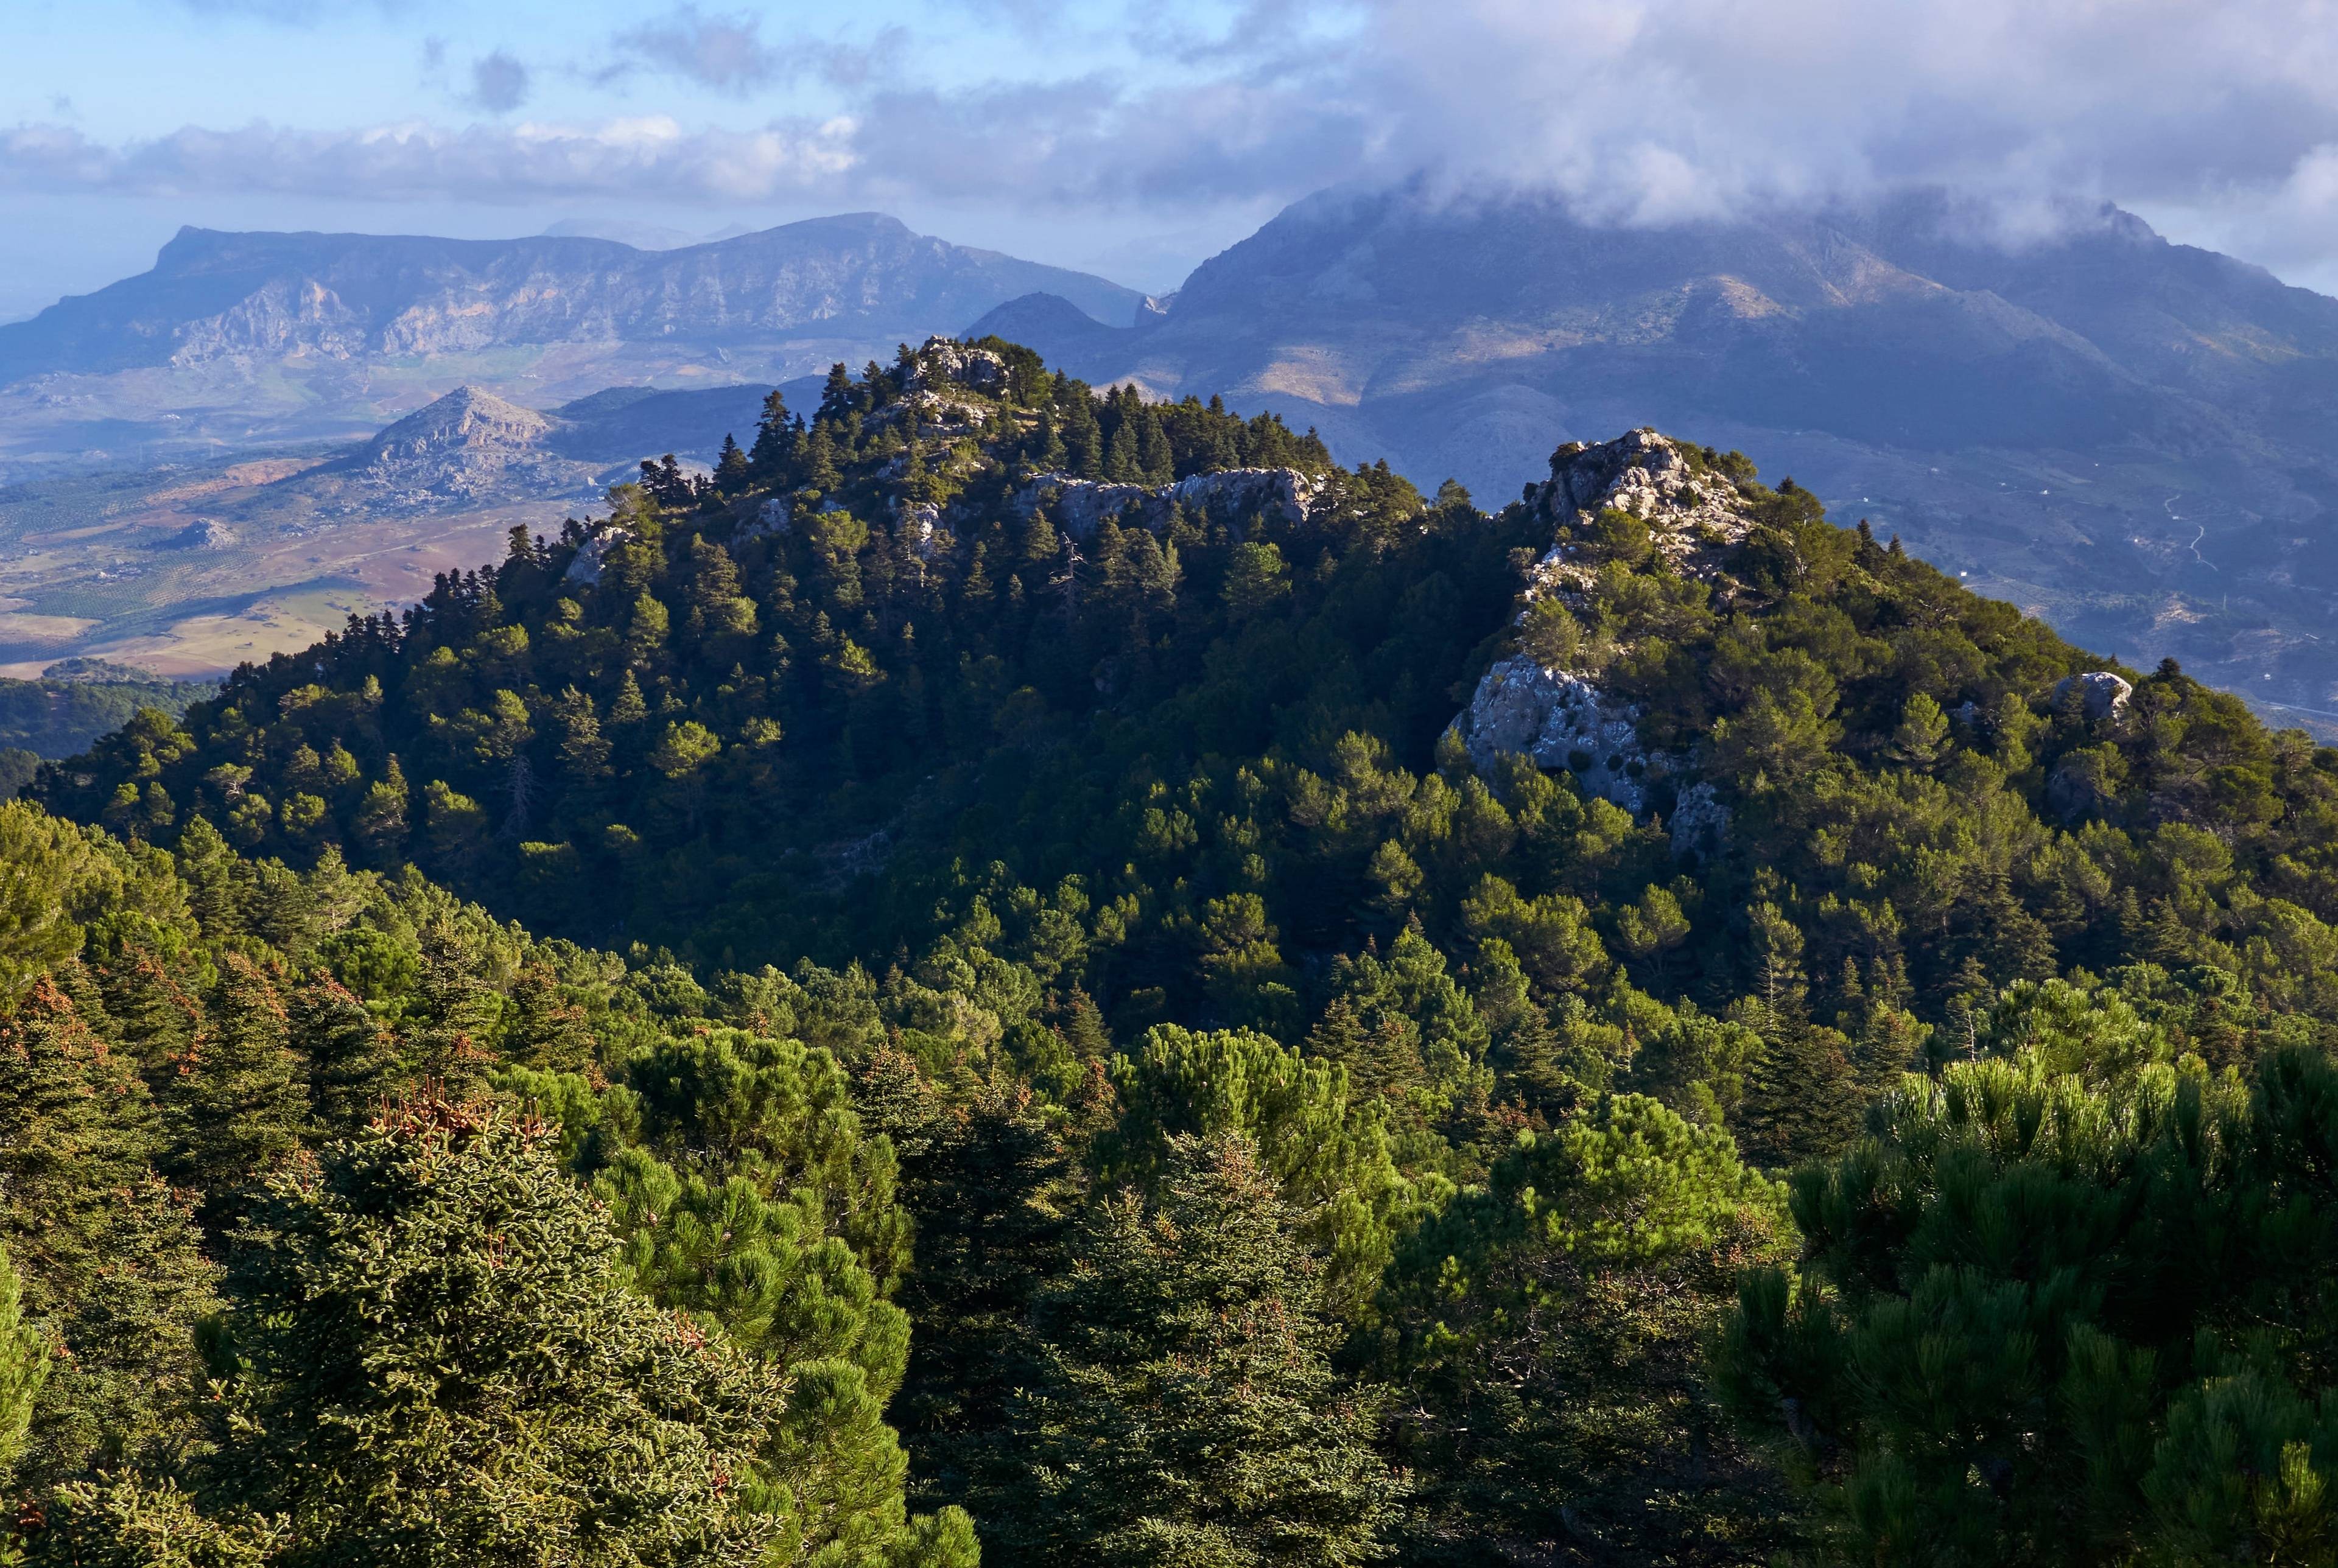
[[1329, 1149], [1802, 1099], [235, 1104], [24, 1365], [990, 1192], [153, 1015], [774, 438], [113, 1279], [437, 1362], [1550, 1325], [1185, 1410], [352, 1060], [730, 468]]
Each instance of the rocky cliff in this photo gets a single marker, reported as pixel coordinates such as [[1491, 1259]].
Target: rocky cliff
[[1561, 719], [214, 296]]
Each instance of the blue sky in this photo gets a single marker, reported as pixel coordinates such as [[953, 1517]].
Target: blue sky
[[1136, 138]]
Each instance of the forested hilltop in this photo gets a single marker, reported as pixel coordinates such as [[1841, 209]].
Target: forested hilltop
[[1248, 1015]]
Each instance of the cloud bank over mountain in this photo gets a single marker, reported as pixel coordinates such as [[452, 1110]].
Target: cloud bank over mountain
[[2220, 122]]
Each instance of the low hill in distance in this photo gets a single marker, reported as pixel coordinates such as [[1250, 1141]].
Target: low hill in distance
[[196, 568], [71, 705]]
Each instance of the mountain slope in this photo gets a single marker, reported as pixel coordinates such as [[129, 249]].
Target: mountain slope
[[349, 296], [1478, 894], [2131, 436]]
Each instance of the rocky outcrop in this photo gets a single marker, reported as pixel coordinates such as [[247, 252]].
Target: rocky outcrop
[[584, 567], [1563, 719], [942, 364], [1693, 514], [466, 419], [1559, 719], [2100, 693], [204, 533], [1077, 505]]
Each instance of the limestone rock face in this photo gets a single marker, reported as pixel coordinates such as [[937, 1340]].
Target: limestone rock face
[[2104, 694], [466, 419], [1562, 718], [1692, 516], [584, 567], [469, 443], [942, 363], [1077, 505], [771, 517]]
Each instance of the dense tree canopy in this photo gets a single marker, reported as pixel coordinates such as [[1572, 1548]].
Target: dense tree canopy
[[970, 952]]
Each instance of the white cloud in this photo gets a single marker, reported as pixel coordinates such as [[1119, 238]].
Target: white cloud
[[1633, 109]]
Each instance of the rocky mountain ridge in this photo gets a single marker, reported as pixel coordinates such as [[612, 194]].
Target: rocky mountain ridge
[[2135, 439], [213, 296]]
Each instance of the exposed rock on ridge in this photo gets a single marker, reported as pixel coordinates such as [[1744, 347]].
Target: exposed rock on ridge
[[1693, 515], [1077, 505], [1562, 718]]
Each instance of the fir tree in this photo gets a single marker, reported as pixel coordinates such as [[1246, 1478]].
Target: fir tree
[[990, 1192], [1184, 1408], [438, 1362], [235, 1104], [113, 1281], [730, 468], [352, 1060], [24, 1365], [774, 439]]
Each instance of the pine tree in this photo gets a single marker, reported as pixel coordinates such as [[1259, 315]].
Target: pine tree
[[769, 1270], [1549, 1327], [1185, 1410]]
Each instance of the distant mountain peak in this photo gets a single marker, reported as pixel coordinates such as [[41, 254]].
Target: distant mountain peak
[[468, 417]]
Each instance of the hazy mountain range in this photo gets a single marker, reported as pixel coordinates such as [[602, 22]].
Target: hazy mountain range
[[239, 340], [2133, 437]]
